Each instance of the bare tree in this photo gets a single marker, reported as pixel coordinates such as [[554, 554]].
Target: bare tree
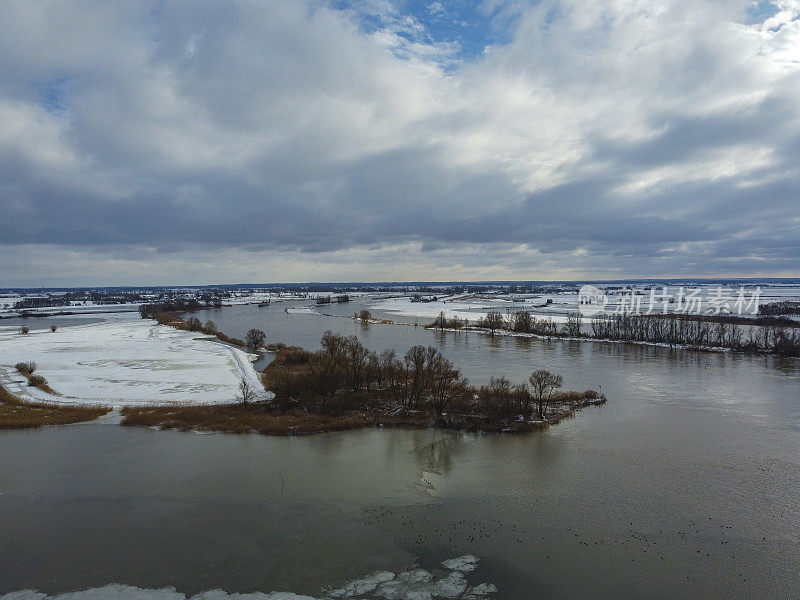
[[522, 321], [246, 391], [543, 384], [572, 328], [493, 320], [255, 338], [356, 363]]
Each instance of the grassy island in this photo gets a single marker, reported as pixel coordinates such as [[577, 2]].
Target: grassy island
[[345, 386]]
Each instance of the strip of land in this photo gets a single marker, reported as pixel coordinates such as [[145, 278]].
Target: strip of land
[[344, 386], [16, 414]]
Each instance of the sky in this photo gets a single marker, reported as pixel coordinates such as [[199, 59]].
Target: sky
[[372, 140]]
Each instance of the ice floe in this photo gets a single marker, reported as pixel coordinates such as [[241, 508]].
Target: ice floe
[[413, 584]]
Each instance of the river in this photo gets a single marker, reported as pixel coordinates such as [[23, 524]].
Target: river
[[686, 483]]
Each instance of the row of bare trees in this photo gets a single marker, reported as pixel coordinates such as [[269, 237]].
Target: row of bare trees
[[344, 374], [682, 331], [673, 330]]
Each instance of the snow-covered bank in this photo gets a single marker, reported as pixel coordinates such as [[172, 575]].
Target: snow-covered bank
[[414, 584], [472, 309], [126, 361]]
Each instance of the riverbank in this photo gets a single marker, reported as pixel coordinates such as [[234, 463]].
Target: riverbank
[[17, 414], [266, 418]]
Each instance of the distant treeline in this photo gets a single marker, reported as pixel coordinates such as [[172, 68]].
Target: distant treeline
[[786, 307], [67, 298], [174, 306], [174, 319], [781, 338]]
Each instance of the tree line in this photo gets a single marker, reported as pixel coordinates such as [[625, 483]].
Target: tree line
[[671, 330]]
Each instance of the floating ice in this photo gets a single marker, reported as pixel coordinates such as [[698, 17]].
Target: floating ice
[[414, 584], [360, 587], [465, 563]]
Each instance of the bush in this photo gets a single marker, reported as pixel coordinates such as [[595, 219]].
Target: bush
[[24, 330], [365, 315], [53, 328], [165, 318], [37, 381], [210, 327], [297, 356], [194, 324], [26, 368]]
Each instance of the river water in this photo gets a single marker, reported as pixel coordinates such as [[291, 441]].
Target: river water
[[685, 484]]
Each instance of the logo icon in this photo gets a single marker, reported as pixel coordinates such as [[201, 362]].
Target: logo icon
[[591, 300]]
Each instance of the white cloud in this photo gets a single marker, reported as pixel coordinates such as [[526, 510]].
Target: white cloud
[[291, 128]]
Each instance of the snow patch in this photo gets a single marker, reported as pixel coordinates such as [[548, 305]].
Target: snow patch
[[414, 584], [127, 361]]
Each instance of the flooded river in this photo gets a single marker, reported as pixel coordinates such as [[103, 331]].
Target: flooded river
[[686, 484]]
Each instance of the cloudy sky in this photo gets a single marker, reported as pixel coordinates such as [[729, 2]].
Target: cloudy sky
[[289, 140]]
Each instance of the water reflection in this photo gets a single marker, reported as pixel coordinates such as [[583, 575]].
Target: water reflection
[[437, 455]]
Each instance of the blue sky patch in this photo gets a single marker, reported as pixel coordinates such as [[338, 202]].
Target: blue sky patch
[[469, 25]]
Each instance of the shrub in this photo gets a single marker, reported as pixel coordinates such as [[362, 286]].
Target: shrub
[[165, 318], [296, 356], [37, 381], [194, 324], [24, 330], [210, 327], [26, 368], [53, 328], [365, 315]]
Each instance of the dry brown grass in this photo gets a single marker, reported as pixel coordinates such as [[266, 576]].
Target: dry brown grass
[[39, 382], [265, 419], [18, 414], [260, 417]]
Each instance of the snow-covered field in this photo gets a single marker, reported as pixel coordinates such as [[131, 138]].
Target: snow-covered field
[[558, 304], [126, 360], [467, 308]]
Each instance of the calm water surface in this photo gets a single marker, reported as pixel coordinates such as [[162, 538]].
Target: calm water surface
[[686, 484]]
